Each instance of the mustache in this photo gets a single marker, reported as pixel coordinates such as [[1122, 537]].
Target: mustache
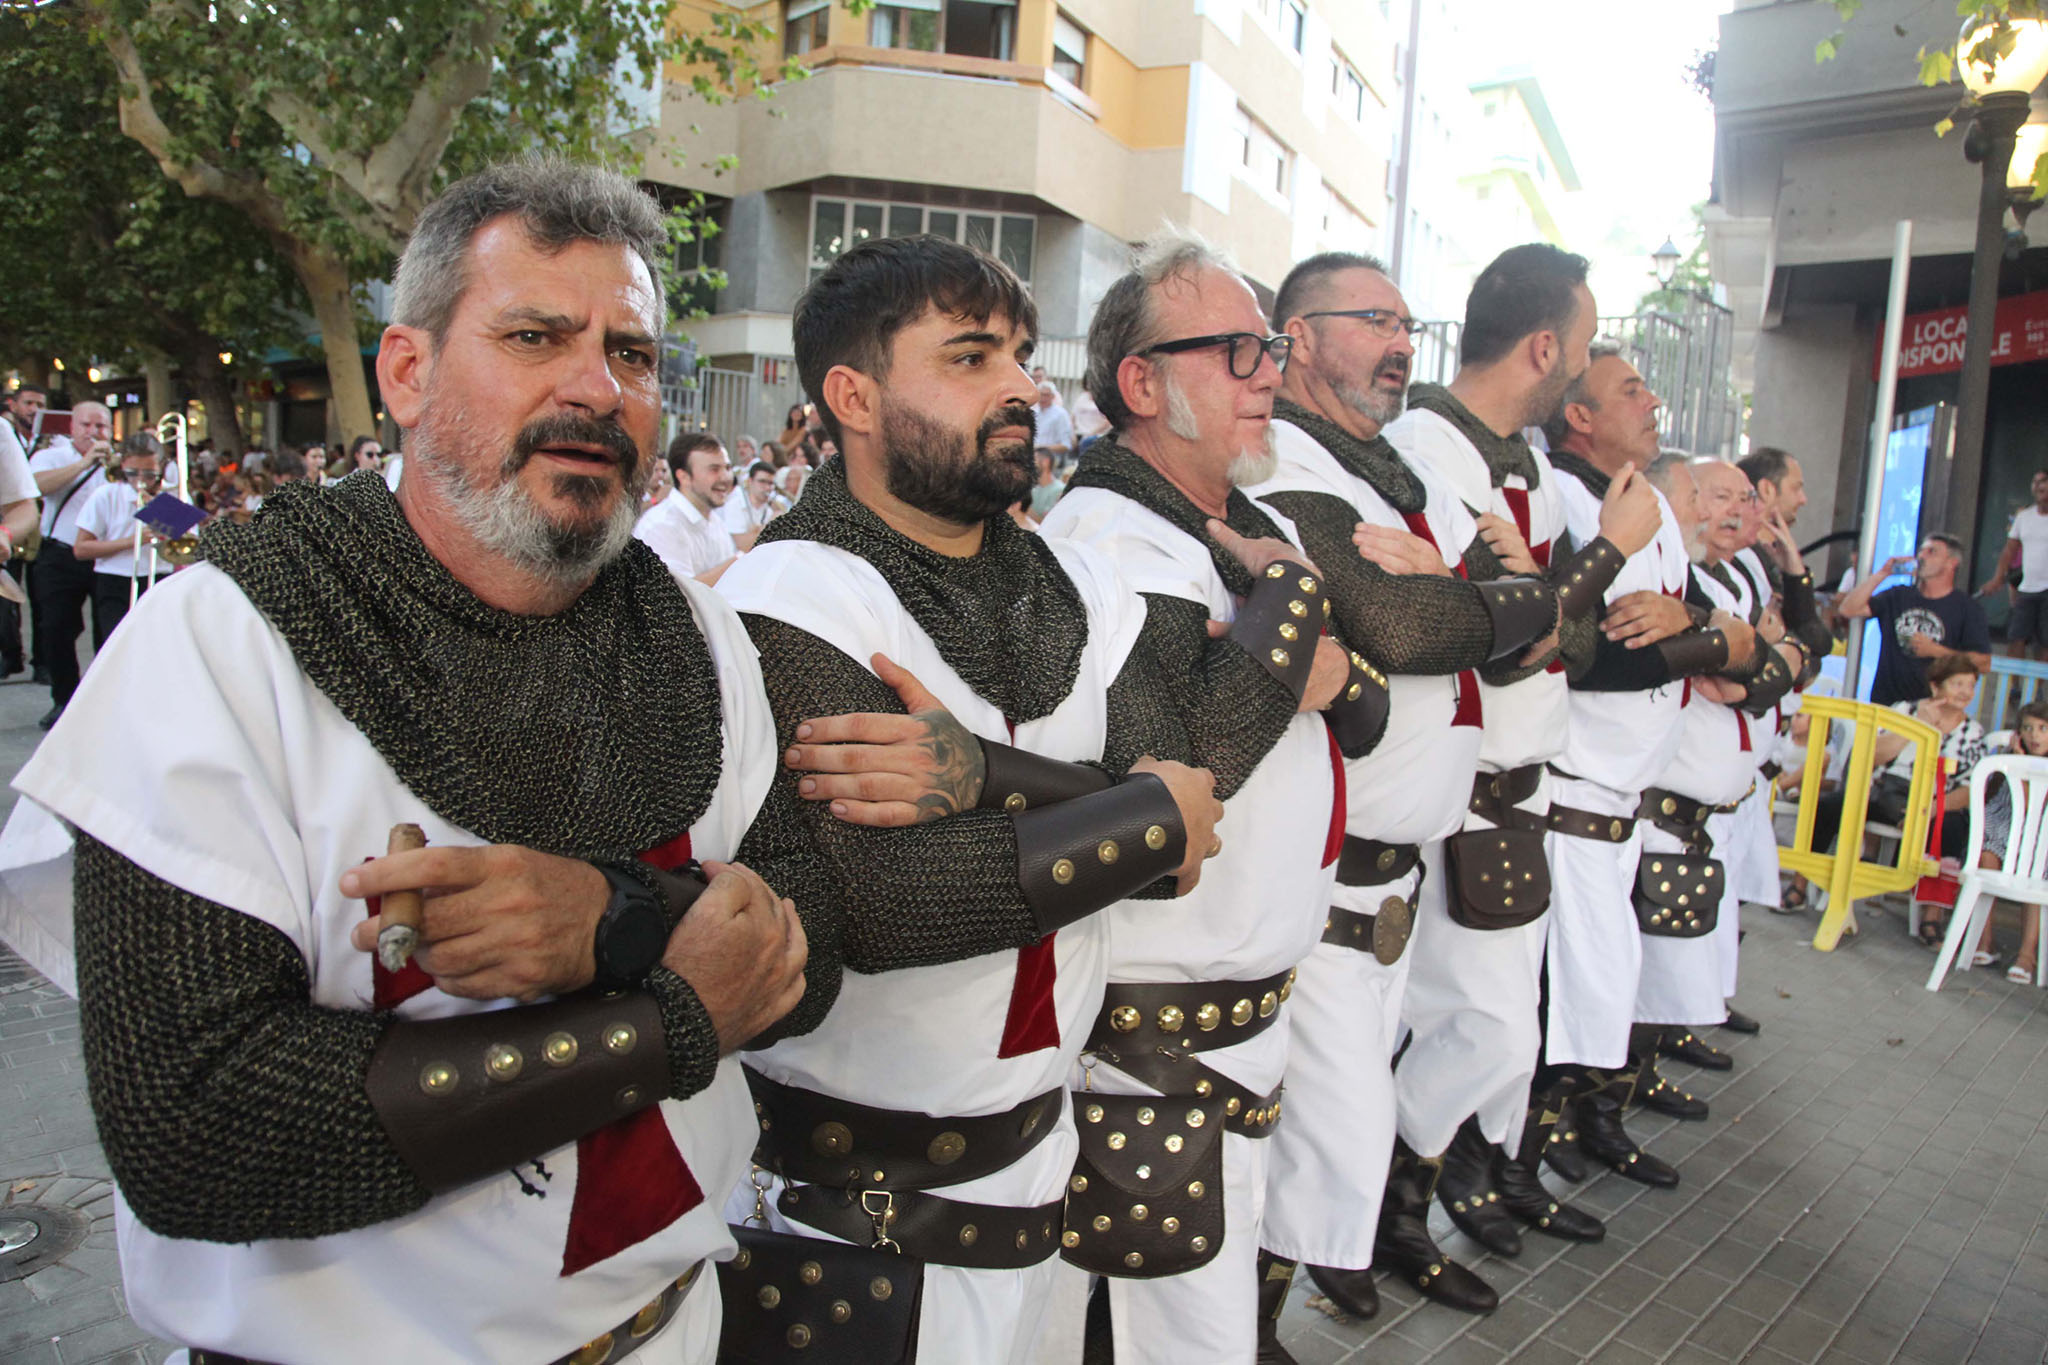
[[1015, 415], [567, 429], [1395, 366]]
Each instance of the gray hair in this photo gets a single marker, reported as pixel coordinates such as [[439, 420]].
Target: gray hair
[[1557, 430], [558, 202], [1659, 470], [1126, 320]]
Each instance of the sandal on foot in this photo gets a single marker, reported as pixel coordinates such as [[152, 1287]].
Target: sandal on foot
[[2019, 975], [1931, 934], [1980, 960]]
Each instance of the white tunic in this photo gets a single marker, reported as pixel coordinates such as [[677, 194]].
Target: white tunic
[[1751, 842], [927, 1038], [1328, 1158], [259, 798], [1257, 911]]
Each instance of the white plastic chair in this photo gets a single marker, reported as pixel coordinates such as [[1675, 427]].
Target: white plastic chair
[[2020, 875]]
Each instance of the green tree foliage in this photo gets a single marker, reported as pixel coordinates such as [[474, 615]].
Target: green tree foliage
[[100, 256], [330, 124]]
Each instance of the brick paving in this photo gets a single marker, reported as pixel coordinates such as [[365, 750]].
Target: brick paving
[[1872, 1185]]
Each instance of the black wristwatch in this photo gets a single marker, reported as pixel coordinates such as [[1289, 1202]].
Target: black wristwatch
[[631, 933]]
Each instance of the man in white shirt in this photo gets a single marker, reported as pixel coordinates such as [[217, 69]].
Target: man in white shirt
[[67, 474], [17, 519], [752, 506], [1055, 434], [106, 536], [2026, 545], [684, 530]]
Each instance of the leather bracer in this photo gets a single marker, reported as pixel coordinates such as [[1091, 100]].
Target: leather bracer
[[465, 1097], [1802, 618], [1581, 582], [1078, 856], [1693, 652], [1767, 683], [1358, 717], [1523, 611], [1018, 780], [1280, 620]]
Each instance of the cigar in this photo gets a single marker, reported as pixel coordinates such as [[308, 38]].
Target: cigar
[[400, 912]]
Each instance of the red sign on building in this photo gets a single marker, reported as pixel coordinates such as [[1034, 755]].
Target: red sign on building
[[1933, 342]]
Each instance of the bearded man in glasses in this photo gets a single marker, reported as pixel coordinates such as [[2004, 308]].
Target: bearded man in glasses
[[1193, 1032]]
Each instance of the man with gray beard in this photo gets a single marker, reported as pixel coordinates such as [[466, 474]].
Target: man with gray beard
[[1194, 1023], [487, 663]]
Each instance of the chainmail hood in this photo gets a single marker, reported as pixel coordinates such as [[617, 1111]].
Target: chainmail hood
[[1374, 460], [1504, 455], [1115, 468], [1007, 620], [1582, 469], [592, 734]]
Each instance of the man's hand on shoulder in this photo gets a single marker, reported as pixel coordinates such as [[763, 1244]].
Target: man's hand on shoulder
[[888, 770], [500, 921], [742, 949], [1640, 619], [1255, 555], [1397, 552], [1508, 545]]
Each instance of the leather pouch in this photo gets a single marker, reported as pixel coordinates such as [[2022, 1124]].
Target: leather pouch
[[1146, 1197], [1678, 895], [789, 1298], [1496, 878]]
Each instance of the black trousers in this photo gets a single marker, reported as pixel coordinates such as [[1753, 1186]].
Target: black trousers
[[110, 603], [10, 623], [63, 585]]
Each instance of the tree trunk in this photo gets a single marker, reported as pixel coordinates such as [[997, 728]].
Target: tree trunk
[[332, 291], [216, 393], [156, 370]]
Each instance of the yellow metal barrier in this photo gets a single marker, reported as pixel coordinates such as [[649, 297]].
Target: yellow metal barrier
[[1844, 873]]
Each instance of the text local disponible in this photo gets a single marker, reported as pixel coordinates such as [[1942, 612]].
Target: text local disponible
[[1937, 342]]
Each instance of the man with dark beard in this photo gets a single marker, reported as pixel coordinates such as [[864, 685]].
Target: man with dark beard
[[1407, 597], [928, 1116], [514, 1145], [1179, 363]]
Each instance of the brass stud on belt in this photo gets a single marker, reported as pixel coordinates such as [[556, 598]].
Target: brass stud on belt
[[1144, 1171], [1385, 862], [1617, 831], [559, 1049], [1198, 1244], [1134, 1259], [1063, 871], [1070, 1238], [1171, 1018], [946, 1148], [438, 1078], [832, 1139], [1208, 1017], [968, 1234], [644, 1321], [1196, 1189], [742, 1258], [799, 1335], [1669, 807], [1101, 1222], [1117, 1141], [1023, 1238], [1174, 1142], [880, 1287], [503, 1062], [1140, 1213], [1145, 1115], [1268, 1002], [1169, 1225], [1107, 852], [1125, 1018], [1279, 658], [1196, 1118], [1241, 1012], [1289, 631], [1232, 1105], [841, 1310], [810, 1272], [592, 1351], [769, 1296], [1093, 1113], [1079, 1184], [1205, 1088]]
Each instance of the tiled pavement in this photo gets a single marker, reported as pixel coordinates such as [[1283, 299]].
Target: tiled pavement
[[1872, 1186]]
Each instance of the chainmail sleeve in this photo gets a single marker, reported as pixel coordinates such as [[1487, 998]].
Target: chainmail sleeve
[[941, 891], [778, 848], [232, 1108], [1404, 623]]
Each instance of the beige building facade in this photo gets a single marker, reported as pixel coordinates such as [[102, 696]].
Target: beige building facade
[[1052, 133]]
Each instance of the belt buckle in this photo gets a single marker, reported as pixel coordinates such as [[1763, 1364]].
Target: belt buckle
[[1390, 930]]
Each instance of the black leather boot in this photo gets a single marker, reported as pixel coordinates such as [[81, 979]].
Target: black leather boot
[[1681, 1045], [1521, 1187], [1276, 1273], [1466, 1191], [1602, 1137], [1403, 1245], [1664, 1097], [1738, 1022], [1560, 1081], [1354, 1291]]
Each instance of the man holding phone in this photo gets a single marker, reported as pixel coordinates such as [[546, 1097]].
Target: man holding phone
[[1923, 620]]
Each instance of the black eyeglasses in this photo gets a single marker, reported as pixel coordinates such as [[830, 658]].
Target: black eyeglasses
[[1384, 322], [1246, 349]]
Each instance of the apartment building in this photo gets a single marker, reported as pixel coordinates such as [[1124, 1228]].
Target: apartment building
[[1050, 132]]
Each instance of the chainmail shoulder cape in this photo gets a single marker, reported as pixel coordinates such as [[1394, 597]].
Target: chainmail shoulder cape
[[1374, 461], [591, 734], [1582, 469], [1504, 455], [1008, 620], [1115, 468]]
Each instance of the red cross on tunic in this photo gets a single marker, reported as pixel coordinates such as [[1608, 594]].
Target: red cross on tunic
[[1467, 712], [631, 1179], [1539, 550]]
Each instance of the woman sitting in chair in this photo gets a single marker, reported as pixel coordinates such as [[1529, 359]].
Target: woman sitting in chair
[[2031, 739], [1952, 679]]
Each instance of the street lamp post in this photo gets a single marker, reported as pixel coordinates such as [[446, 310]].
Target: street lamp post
[[2001, 61]]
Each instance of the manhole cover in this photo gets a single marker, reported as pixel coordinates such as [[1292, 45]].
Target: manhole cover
[[34, 1235]]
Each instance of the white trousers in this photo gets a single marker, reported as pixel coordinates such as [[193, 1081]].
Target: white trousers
[[1749, 845], [1327, 1164], [1470, 1009], [1595, 952], [1681, 977]]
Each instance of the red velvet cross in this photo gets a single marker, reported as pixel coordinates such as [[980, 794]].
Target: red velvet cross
[[1468, 711], [1033, 1021]]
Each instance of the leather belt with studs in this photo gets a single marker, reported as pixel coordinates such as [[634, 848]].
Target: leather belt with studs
[[1681, 817], [823, 1140], [930, 1227], [622, 1341], [1384, 934], [1496, 795], [1368, 862], [1186, 1016], [1587, 824]]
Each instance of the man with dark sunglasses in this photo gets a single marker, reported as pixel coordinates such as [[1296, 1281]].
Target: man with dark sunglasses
[[1399, 545], [1194, 1029]]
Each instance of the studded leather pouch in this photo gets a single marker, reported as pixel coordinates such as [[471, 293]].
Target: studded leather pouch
[[790, 1298], [1146, 1196], [1677, 896], [1496, 878]]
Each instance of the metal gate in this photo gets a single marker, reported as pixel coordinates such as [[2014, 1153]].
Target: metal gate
[[718, 401]]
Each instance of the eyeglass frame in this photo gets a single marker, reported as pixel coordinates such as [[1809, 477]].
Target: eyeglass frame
[[1266, 346], [1369, 317]]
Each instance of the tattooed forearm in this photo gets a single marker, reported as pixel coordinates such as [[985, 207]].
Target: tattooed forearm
[[957, 766]]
